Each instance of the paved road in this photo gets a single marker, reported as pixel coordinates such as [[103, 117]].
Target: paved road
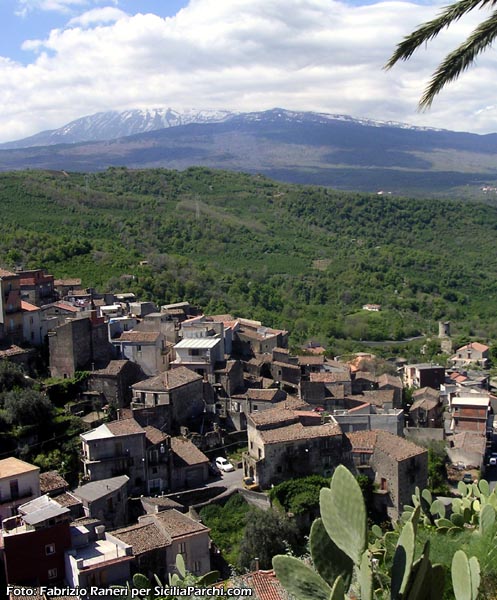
[[230, 480]]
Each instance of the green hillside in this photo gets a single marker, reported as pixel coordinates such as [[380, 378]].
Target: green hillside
[[297, 257]]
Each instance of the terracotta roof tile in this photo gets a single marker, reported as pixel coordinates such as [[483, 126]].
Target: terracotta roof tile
[[168, 380], [138, 336], [154, 436], [279, 413], [5, 273], [50, 481], [268, 395], [474, 346], [311, 360], [297, 431], [392, 380], [187, 452], [66, 499], [66, 306], [265, 585], [143, 537], [330, 377], [29, 307], [12, 350], [124, 427], [113, 368], [176, 524], [394, 446]]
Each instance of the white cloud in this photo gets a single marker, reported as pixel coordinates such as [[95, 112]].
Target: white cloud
[[243, 54], [107, 14], [63, 6]]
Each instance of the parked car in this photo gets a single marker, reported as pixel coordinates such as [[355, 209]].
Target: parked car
[[224, 464], [492, 460], [467, 478], [250, 484], [213, 469]]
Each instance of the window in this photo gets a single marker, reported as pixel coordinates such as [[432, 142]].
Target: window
[[182, 547], [138, 348], [197, 566], [50, 549], [194, 352], [52, 573]]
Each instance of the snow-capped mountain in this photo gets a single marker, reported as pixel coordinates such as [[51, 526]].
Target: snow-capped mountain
[[114, 124], [300, 147]]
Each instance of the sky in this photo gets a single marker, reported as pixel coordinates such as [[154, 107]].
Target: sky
[[64, 59]]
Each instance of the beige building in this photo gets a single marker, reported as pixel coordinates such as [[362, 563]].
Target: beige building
[[19, 483]]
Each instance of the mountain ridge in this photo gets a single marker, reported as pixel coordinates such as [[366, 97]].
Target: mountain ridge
[[297, 147], [107, 125]]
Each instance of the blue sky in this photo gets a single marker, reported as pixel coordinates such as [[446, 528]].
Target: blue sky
[[64, 59], [20, 22]]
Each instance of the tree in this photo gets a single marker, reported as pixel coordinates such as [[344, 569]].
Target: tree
[[267, 533], [27, 407], [459, 59]]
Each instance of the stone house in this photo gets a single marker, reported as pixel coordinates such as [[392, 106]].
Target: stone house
[[362, 381], [37, 286], [424, 375], [396, 465], [332, 378], [78, 345], [391, 382], [179, 392], [146, 348], [310, 364], [159, 460], [158, 538], [11, 316], [252, 338], [426, 409], [153, 461], [285, 442], [65, 286], [472, 353], [114, 382], [105, 500], [113, 449], [19, 483], [190, 465], [236, 408]]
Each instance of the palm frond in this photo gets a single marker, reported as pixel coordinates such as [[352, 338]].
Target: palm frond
[[431, 29], [460, 59]]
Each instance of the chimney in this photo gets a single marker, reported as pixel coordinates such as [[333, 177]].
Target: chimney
[[256, 566]]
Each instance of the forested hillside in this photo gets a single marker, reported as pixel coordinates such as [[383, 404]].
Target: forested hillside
[[297, 257]]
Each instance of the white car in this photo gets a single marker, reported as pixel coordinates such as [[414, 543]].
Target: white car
[[223, 464]]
